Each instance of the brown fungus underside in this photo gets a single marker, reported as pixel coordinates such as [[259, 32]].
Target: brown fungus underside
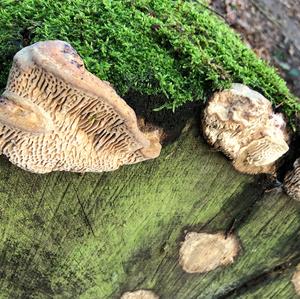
[[55, 115], [241, 123], [203, 252]]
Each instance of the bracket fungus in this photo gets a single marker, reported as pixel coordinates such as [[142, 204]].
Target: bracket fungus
[[140, 294], [55, 115], [203, 252], [241, 123], [291, 183]]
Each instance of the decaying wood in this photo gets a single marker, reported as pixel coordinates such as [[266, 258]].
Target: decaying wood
[[125, 232]]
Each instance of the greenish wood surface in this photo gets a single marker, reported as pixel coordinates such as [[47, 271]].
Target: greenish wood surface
[[66, 235], [277, 288]]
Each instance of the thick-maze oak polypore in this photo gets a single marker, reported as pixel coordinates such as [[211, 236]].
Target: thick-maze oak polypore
[[55, 115], [241, 123]]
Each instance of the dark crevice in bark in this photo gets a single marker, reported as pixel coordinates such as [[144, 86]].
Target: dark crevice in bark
[[260, 279], [286, 164], [171, 122]]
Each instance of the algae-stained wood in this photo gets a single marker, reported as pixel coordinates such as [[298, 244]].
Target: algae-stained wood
[[280, 287], [65, 235]]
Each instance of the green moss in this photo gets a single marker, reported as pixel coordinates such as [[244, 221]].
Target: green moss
[[178, 49]]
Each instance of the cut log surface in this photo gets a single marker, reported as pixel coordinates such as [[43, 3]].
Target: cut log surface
[[65, 235]]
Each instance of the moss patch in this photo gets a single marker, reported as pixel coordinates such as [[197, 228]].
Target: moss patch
[[176, 49]]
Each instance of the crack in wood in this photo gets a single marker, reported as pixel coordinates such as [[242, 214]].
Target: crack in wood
[[86, 218], [261, 278]]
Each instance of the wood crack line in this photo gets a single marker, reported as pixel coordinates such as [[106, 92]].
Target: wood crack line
[[262, 278]]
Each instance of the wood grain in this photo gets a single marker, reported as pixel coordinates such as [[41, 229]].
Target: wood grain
[[98, 235]]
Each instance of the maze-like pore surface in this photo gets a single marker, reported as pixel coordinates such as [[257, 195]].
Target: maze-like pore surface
[[89, 133]]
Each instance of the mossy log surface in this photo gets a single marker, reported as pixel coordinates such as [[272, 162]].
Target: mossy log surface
[[95, 236], [65, 235]]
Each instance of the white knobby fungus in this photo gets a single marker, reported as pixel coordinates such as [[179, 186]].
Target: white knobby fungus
[[241, 123]]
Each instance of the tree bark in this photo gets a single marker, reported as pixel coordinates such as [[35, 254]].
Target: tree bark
[[65, 235]]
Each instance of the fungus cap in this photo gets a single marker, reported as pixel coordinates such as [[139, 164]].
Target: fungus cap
[[55, 115], [240, 122]]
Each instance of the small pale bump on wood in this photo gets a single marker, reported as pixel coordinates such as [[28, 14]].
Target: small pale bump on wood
[[203, 252], [140, 294], [296, 280]]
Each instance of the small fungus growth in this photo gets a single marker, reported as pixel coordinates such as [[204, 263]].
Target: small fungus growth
[[202, 252], [241, 123], [140, 294], [291, 183], [55, 115], [296, 280]]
